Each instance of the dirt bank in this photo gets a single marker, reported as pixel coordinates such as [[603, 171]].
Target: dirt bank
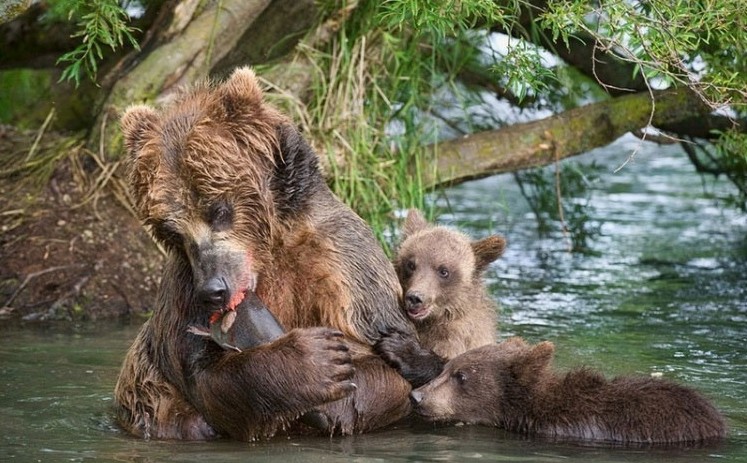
[[67, 253]]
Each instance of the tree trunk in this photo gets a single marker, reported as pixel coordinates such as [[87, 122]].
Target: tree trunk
[[187, 57], [542, 142], [273, 35]]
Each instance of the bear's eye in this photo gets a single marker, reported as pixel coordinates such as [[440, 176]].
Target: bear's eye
[[460, 377], [443, 272], [410, 266], [220, 216]]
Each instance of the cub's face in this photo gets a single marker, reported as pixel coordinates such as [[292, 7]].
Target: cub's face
[[440, 269], [468, 390], [488, 385], [436, 269]]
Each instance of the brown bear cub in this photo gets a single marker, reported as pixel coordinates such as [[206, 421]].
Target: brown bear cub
[[512, 386], [440, 270]]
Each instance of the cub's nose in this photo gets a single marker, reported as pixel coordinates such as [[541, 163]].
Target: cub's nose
[[413, 299], [416, 397], [214, 292]]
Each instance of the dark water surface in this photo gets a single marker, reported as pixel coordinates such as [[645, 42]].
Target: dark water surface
[[666, 291]]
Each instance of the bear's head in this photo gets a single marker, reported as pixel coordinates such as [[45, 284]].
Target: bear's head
[[488, 385], [216, 176], [441, 269]]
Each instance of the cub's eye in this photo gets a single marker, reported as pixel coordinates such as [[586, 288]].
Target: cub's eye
[[220, 216], [443, 272], [410, 267], [460, 377]]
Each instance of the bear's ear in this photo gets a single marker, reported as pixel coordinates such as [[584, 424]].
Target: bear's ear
[[541, 354], [413, 223], [240, 93], [487, 250], [514, 343], [296, 174], [530, 364], [138, 124]]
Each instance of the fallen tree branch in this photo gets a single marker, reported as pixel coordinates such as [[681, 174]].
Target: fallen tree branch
[[541, 142]]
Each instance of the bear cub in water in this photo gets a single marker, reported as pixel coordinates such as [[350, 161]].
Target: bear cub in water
[[441, 272], [512, 386]]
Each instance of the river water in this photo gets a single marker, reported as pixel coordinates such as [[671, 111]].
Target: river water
[[663, 290]]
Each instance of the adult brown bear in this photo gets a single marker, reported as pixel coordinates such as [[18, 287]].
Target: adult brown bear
[[228, 186]]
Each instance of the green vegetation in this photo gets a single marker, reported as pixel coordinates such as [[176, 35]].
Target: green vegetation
[[101, 23], [394, 81], [393, 78], [559, 198], [728, 156], [374, 98], [697, 44]]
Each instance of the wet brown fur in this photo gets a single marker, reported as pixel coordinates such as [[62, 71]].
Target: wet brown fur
[[441, 272], [462, 315], [229, 187], [512, 385]]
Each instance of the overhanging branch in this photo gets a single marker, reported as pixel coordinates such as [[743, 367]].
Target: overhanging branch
[[557, 137]]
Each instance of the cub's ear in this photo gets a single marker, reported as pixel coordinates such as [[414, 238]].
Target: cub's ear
[[541, 354], [241, 92], [413, 223], [487, 250], [138, 124], [531, 363], [515, 343]]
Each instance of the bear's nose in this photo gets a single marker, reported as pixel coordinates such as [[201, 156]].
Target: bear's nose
[[413, 299], [416, 397], [214, 292]]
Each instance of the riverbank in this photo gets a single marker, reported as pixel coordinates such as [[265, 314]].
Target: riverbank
[[68, 254]]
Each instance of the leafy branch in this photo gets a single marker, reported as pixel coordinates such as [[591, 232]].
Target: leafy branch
[[102, 23], [698, 45]]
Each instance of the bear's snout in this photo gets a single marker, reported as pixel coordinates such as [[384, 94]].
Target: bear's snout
[[413, 300], [214, 292], [416, 306]]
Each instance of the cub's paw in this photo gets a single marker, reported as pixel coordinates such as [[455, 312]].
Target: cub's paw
[[397, 349], [403, 353]]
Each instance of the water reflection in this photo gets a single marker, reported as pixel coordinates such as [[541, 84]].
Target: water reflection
[[665, 291]]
